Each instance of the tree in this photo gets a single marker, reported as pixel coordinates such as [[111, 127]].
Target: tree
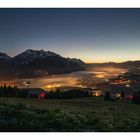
[[122, 95], [107, 96], [5, 90], [136, 97]]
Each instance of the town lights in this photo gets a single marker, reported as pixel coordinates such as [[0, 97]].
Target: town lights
[[127, 85]]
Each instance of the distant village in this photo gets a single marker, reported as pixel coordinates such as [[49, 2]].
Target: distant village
[[124, 86]]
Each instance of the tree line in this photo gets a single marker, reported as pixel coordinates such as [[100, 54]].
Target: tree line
[[9, 91], [70, 94], [12, 91]]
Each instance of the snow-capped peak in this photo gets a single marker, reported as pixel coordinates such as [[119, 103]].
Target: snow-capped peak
[[30, 55], [36, 53]]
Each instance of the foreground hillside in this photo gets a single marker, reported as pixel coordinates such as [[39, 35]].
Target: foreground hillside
[[85, 114]]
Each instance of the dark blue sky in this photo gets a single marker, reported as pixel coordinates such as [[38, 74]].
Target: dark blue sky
[[94, 35]]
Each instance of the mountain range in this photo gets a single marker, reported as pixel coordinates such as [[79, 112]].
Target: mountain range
[[127, 64], [34, 63]]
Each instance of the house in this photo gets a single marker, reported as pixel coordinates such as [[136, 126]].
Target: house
[[36, 93], [97, 92], [42, 95], [118, 95]]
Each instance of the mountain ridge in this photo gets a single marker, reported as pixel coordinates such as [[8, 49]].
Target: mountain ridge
[[34, 63]]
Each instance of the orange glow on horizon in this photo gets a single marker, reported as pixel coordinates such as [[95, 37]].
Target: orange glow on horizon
[[115, 61]]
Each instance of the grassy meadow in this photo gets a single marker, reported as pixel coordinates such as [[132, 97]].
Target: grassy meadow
[[91, 114]]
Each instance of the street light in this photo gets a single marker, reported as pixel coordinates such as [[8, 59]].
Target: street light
[[28, 83]]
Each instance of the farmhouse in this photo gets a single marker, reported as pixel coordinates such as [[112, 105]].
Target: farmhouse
[[36, 93], [97, 92]]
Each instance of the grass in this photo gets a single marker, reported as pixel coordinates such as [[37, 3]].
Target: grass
[[91, 114]]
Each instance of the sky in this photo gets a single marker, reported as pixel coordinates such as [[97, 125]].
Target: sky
[[93, 35]]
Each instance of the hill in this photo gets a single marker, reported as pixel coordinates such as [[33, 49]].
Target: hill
[[127, 64]]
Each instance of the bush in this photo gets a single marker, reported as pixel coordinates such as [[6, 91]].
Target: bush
[[136, 97], [107, 96], [22, 118]]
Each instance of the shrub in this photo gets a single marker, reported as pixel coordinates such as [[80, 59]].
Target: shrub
[[107, 96], [136, 97]]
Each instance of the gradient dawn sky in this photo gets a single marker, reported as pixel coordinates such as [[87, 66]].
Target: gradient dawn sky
[[93, 35]]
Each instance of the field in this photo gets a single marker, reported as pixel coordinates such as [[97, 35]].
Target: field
[[91, 114]]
